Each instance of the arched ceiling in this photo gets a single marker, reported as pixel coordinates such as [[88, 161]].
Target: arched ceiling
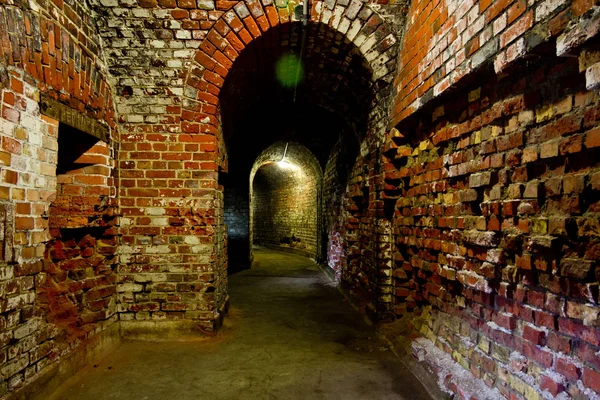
[[273, 177], [284, 161], [333, 75], [332, 97], [166, 67]]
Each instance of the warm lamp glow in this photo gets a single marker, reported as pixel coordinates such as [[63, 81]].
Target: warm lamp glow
[[285, 165]]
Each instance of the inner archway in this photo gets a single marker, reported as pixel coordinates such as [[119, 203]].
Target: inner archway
[[285, 200], [332, 104]]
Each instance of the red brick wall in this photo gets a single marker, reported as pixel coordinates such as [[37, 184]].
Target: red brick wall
[[169, 200], [446, 40], [60, 56], [49, 49], [365, 231], [86, 191], [492, 185], [495, 202], [80, 261], [358, 244]]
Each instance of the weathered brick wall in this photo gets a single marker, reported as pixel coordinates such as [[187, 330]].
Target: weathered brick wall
[[57, 46], [334, 185], [494, 191], [25, 231], [168, 231], [85, 189], [49, 48], [367, 248], [80, 261], [80, 293], [171, 254], [358, 234], [343, 162], [450, 39]]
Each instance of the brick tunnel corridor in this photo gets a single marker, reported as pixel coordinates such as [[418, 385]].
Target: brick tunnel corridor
[[286, 201], [310, 90], [289, 335], [450, 151]]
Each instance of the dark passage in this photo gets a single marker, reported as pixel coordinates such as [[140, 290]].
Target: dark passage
[[289, 335]]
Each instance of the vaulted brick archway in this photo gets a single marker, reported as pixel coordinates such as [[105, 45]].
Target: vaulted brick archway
[[329, 95], [286, 200], [354, 23], [348, 53]]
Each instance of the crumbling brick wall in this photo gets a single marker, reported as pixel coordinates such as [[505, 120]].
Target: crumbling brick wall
[[492, 184], [366, 231], [448, 40], [48, 49], [335, 178], [497, 225], [80, 261]]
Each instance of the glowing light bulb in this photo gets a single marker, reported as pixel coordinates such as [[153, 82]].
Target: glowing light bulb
[[284, 165]]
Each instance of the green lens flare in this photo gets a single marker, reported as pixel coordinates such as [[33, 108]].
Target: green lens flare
[[289, 70]]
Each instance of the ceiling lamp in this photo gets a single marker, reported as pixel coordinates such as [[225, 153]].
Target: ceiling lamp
[[282, 163]]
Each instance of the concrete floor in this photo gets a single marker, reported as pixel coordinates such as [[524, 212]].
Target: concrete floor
[[289, 335]]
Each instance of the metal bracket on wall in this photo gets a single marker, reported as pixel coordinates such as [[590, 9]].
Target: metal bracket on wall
[[69, 116]]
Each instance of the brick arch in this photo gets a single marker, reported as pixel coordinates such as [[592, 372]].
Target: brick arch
[[300, 156], [247, 20]]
